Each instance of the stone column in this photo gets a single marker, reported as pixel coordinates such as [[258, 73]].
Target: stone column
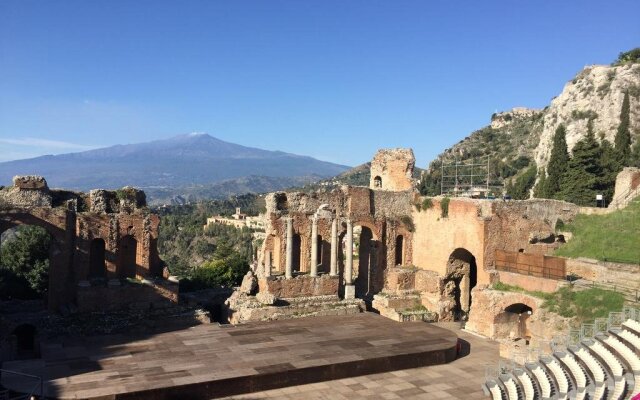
[[333, 271], [313, 270], [349, 288], [464, 293], [288, 272], [267, 263]]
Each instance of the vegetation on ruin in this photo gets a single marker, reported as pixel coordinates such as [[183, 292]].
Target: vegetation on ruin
[[24, 264], [444, 207], [610, 237], [217, 256], [582, 305], [425, 204], [407, 221]]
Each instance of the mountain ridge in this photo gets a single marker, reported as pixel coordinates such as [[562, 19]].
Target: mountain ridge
[[183, 160]]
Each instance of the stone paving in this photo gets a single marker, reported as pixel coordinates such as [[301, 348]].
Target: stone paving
[[460, 379], [209, 360]]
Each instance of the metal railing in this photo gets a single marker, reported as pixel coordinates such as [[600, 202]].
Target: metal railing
[[36, 392]]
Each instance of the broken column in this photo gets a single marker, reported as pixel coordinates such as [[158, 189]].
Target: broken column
[[288, 272], [333, 271], [313, 270], [349, 288], [267, 264], [464, 293]]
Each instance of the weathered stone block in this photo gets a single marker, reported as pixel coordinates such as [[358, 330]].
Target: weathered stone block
[[30, 182]]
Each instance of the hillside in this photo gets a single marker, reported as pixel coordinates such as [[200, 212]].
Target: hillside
[[162, 166], [611, 237], [519, 139]]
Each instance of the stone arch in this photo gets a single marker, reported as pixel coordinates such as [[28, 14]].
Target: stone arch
[[512, 321], [399, 257], [127, 257], [97, 267], [461, 278]]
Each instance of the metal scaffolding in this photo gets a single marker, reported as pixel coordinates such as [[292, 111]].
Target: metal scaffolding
[[465, 179]]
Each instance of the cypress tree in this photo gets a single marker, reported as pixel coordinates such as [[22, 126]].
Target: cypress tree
[[557, 162], [623, 135], [635, 154], [540, 190], [579, 182], [609, 167]]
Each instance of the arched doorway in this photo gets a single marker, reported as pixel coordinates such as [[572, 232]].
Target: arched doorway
[[399, 250], [511, 323], [127, 257], [97, 267], [460, 279], [25, 342], [295, 254], [25, 257]]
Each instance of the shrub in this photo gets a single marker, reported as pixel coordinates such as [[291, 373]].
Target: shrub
[[444, 207], [408, 222], [427, 203]]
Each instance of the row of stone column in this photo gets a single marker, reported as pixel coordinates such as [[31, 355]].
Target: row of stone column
[[313, 267]]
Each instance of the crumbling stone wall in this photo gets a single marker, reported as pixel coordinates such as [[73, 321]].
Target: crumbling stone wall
[[392, 169], [111, 217]]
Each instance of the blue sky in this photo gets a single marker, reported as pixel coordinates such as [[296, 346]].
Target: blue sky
[[332, 79]]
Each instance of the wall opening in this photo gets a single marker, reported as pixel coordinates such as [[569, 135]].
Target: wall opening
[[399, 250], [97, 267], [295, 256], [461, 278], [25, 342], [512, 322], [377, 182], [25, 257], [364, 260], [127, 254], [319, 252]]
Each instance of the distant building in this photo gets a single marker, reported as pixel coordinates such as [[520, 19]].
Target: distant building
[[239, 220]]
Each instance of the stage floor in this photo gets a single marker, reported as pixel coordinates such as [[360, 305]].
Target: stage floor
[[208, 361]]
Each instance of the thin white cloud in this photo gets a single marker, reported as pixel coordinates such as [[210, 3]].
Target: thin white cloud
[[46, 143]]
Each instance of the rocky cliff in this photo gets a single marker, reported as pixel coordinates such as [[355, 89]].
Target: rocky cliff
[[517, 138]]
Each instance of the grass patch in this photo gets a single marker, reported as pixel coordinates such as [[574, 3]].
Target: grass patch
[[610, 237], [444, 207], [583, 305]]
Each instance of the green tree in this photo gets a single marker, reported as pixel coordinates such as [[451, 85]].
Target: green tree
[[623, 135], [24, 258], [609, 167], [579, 183], [540, 191], [558, 161], [635, 154], [519, 190]]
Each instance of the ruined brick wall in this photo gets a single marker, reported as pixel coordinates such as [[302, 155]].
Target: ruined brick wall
[[299, 286], [392, 169], [111, 217], [436, 237]]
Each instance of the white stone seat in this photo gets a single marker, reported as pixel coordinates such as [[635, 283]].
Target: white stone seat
[[528, 390], [630, 337], [559, 375], [511, 386], [632, 325], [543, 381], [494, 390], [610, 360], [629, 356], [578, 374]]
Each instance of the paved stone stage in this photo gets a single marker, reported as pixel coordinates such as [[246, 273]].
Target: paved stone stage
[[210, 361]]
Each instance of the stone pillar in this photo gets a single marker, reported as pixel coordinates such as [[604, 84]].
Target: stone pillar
[[267, 263], [349, 288], [288, 271], [333, 271], [313, 268], [464, 293]]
